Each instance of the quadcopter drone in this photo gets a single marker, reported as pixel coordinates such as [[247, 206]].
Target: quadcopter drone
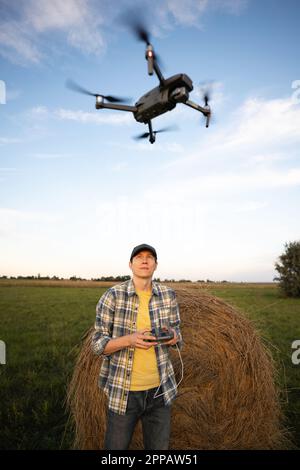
[[155, 102]]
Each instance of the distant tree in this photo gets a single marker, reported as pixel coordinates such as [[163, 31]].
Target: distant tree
[[288, 268]]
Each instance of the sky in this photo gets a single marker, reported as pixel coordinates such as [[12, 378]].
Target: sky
[[77, 192]]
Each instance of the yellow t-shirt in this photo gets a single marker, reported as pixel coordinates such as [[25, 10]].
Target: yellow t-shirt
[[145, 373]]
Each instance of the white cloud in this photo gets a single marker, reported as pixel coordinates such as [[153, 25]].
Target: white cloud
[[120, 166], [191, 12], [219, 184], [258, 129], [50, 156], [17, 215], [41, 113], [187, 13], [23, 27], [171, 147], [17, 43], [25, 23], [216, 94], [15, 222], [96, 118], [267, 122], [45, 15], [9, 140]]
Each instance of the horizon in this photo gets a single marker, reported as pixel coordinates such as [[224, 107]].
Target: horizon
[[103, 278]]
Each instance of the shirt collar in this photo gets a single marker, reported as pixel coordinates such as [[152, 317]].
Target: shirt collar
[[131, 288]]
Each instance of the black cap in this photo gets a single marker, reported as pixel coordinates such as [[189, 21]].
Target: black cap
[[143, 247]]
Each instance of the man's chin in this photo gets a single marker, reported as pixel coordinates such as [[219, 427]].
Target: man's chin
[[145, 275]]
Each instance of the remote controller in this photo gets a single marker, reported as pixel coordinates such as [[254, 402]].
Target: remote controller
[[161, 334]]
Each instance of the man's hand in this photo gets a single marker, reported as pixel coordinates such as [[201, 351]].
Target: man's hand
[[137, 339], [172, 341]]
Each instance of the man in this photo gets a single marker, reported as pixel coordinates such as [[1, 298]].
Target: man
[[136, 373]]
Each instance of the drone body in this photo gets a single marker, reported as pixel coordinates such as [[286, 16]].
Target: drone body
[[155, 102], [163, 98]]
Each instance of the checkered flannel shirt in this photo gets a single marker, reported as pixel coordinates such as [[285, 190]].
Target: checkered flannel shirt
[[116, 315]]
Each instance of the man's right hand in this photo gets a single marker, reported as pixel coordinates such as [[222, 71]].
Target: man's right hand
[[137, 339]]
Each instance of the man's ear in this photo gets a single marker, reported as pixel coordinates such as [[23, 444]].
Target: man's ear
[[156, 266], [130, 265]]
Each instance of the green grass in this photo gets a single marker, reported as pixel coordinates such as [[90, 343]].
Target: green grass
[[41, 326]]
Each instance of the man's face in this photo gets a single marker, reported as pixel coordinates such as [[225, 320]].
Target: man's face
[[143, 264]]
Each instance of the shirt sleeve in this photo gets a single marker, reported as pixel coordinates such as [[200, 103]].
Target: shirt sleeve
[[105, 310], [175, 320]]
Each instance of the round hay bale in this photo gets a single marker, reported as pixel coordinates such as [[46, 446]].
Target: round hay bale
[[228, 398]]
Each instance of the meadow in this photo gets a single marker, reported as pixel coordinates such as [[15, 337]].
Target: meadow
[[42, 324]]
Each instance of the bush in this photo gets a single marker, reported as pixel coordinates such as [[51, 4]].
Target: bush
[[289, 269]]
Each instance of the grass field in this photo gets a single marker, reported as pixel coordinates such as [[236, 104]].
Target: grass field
[[42, 324]]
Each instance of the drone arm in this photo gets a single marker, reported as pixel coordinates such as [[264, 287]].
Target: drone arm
[[119, 107], [205, 111], [158, 73]]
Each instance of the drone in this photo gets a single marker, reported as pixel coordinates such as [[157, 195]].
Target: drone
[[159, 100]]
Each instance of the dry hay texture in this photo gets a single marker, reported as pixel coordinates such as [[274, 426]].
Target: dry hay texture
[[228, 398]]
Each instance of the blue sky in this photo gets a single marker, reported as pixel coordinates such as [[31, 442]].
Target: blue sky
[[77, 193]]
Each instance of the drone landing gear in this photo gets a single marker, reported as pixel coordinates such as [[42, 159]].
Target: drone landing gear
[[151, 133]]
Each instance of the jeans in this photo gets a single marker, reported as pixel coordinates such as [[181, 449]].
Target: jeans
[[156, 422]]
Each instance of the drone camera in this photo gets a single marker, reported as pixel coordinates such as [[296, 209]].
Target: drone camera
[[180, 94]]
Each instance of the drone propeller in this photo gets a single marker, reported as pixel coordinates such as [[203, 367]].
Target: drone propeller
[[206, 89], [140, 30], [137, 23], [147, 134], [135, 19], [206, 98], [78, 88]]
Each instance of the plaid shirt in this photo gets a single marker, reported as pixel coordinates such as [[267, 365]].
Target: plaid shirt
[[116, 315]]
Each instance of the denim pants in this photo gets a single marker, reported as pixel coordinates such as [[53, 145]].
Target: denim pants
[[156, 422]]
